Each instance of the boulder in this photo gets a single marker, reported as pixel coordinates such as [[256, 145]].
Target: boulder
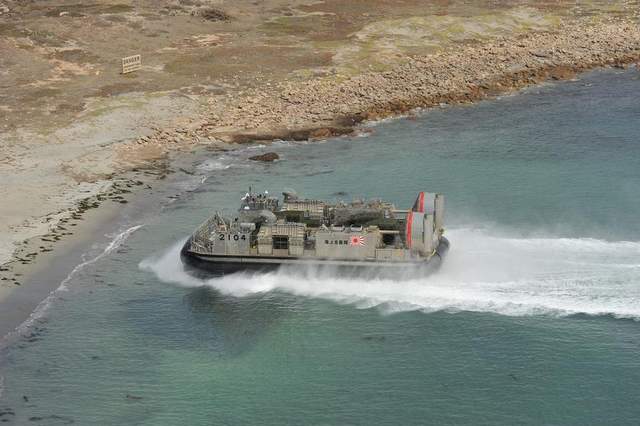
[[268, 157], [321, 133], [562, 73]]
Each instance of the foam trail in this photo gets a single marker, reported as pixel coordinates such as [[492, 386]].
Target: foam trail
[[482, 273], [42, 307]]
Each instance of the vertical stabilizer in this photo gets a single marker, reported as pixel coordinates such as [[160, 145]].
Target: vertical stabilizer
[[414, 232], [439, 213], [424, 222], [428, 235], [425, 203]]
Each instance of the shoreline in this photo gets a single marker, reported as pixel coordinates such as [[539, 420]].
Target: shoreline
[[42, 275], [97, 222], [323, 108], [318, 109]]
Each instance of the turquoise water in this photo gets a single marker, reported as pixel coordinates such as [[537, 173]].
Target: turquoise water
[[533, 318]]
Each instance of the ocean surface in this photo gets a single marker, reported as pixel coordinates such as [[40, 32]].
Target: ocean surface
[[533, 319]]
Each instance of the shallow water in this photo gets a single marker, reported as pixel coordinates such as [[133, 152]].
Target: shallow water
[[533, 318]]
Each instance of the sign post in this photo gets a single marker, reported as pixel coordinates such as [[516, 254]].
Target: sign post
[[131, 63]]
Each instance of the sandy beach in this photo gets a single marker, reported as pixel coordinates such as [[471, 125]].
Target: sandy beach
[[78, 136]]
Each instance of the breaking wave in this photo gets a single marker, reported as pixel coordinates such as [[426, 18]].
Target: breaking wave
[[115, 243], [220, 163], [482, 273]]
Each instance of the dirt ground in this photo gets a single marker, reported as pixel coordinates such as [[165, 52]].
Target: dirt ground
[[58, 57]]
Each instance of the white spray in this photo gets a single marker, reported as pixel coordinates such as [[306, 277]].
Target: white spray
[[482, 273]]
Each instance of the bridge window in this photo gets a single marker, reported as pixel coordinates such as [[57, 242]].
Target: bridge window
[[281, 242], [388, 239]]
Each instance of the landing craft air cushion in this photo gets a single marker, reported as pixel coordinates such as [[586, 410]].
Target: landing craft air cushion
[[268, 233]]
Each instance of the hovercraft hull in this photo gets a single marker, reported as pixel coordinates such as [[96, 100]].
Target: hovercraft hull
[[210, 265]]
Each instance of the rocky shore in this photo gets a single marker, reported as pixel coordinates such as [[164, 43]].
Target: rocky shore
[[322, 108]]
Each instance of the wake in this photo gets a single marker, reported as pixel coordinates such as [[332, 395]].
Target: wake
[[482, 273]]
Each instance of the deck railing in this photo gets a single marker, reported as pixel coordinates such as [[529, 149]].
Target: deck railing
[[201, 238]]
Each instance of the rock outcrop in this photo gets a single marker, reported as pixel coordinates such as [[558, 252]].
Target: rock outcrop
[[267, 158]]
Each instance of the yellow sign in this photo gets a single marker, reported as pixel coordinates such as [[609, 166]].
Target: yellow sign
[[131, 63]]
